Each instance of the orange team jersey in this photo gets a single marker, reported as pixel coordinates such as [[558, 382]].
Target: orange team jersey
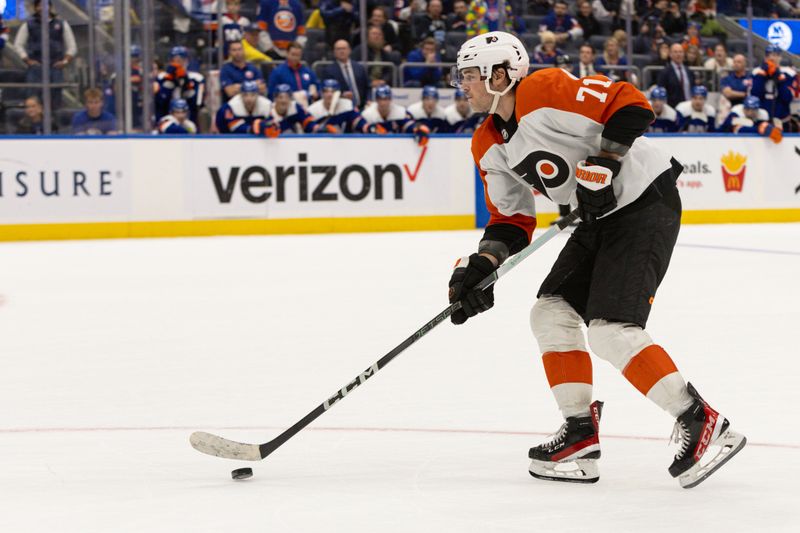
[[560, 122]]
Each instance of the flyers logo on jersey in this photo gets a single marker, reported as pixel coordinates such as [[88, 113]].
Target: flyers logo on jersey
[[492, 39]]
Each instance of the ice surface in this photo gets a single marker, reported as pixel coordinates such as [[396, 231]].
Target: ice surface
[[113, 352]]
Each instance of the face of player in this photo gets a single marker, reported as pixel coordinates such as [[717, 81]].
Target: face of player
[[180, 115], [775, 58], [739, 63], [698, 102], [752, 114], [249, 100], [658, 106], [462, 106], [429, 105], [327, 97], [282, 101], [179, 60], [294, 55], [94, 106], [384, 106], [236, 51], [475, 88]]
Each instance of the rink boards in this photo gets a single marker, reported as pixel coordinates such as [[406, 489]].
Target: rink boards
[[143, 186]]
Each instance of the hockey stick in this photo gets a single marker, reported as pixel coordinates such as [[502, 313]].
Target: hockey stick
[[221, 447]]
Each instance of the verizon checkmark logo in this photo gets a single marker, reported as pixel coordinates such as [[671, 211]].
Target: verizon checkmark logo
[[413, 176]]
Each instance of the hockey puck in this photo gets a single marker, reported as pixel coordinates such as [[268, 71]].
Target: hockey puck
[[242, 473]]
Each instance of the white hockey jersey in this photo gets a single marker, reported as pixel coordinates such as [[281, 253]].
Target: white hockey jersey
[[560, 121]]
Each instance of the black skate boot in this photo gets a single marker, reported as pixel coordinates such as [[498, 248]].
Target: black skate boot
[[698, 428], [572, 453]]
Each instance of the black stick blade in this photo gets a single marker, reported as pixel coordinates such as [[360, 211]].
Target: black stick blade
[[221, 447]]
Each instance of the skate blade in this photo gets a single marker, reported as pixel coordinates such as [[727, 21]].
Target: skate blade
[[578, 471], [730, 444]]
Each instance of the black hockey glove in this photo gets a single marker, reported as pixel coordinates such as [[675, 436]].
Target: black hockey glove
[[469, 271], [595, 190]]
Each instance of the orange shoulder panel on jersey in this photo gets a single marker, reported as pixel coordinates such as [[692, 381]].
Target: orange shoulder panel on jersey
[[554, 88], [484, 138]]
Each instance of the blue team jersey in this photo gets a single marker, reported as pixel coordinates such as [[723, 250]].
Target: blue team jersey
[[230, 74], [737, 83], [233, 30], [300, 79], [296, 119], [667, 122], [192, 90], [396, 121], [233, 117], [461, 124], [737, 121], [436, 121], [775, 91], [284, 20], [693, 121], [169, 125], [345, 117], [83, 124]]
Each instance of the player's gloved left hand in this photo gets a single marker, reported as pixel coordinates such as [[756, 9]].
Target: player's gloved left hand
[[595, 190], [265, 128], [421, 134], [468, 272], [768, 130], [377, 129]]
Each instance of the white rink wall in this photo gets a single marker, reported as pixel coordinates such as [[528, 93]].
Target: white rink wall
[[157, 186]]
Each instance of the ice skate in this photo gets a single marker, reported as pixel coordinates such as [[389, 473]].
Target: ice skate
[[571, 455], [705, 442]]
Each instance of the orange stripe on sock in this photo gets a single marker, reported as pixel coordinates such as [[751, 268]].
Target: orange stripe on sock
[[567, 367], [648, 367]]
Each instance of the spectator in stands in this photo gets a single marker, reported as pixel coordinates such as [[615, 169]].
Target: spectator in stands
[[750, 117], [482, 17], [772, 85], [651, 34], [177, 122], [233, 24], [586, 61], [428, 112], [612, 57], [662, 58], [674, 21], [736, 85], [667, 119], [692, 36], [585, 17], [252, 45], [63, 49], [657, 12], [378, 50], [693, 58], [341, 17], [290, 116], [546, 52], [379, 18], [246, 113], [236, 71], [177, 81], [697, 115], [457, 20], [561, 23], [720, 62], [420, 76], [351, 75], [285, 23], [93, 120], [33, 121], [431, 24], [293, 73], [459, 115], [675, 77]]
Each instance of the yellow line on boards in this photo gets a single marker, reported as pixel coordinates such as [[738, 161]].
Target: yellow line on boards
[[740, 216], [195, 228]]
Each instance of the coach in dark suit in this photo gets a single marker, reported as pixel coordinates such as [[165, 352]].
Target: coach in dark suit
[[351, 75], [676, 78]]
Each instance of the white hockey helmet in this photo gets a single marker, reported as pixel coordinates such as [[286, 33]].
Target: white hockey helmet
[[486, 51]]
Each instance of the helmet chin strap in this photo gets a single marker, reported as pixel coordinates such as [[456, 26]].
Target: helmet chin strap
[[497, 95]]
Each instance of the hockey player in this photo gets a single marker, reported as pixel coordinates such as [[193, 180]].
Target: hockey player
[[772, 84], [290, 116], [697, 115], [459, 115], [177, 122], [429, 112], [749, 117], [247, 112], [333, 114], [178, 82], [667, 119], [579, 141], [393, 118]]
